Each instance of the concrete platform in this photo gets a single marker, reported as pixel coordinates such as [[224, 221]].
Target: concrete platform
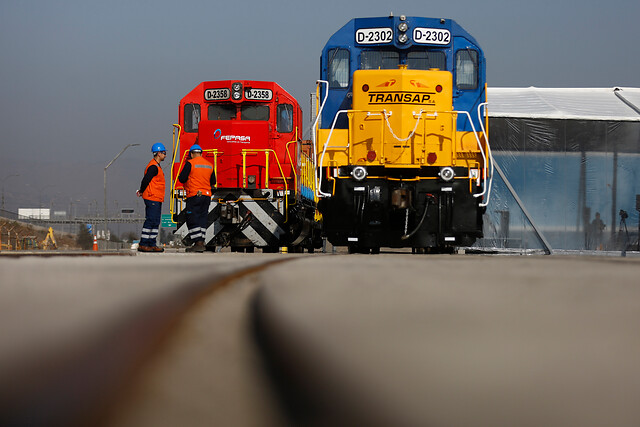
[[456, 341], [394, 339], [77, 330]]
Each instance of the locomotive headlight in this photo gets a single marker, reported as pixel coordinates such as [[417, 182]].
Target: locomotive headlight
[[402, 38], [447, 173], [359, 173], [403, 26], [237, 91]]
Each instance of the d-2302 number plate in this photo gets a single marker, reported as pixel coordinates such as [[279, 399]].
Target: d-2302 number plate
[[374, 35], [437, 36]]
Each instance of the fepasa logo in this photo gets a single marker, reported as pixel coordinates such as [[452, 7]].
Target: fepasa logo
[[234, 139], [237, 139]]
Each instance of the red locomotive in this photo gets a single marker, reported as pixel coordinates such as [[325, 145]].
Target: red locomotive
[[265, 196]]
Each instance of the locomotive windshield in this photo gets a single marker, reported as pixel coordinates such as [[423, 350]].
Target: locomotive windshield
[[191, 117], [254, 112], [379, 59], [338, 68], [425, 60], [285, 118], [389, 60], [222, 112], [229, 112], [467, 69]]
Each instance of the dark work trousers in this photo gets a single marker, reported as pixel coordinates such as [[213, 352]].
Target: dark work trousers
[[197, 211], [151, 226]]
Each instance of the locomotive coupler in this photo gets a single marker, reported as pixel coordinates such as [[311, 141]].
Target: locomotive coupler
[[401, 198], [229, 213]]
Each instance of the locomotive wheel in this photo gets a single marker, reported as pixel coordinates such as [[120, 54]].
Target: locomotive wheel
[[419, 251], [249, 249]]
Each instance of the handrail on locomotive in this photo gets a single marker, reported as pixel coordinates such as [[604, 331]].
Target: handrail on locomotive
[[487, 158], [244, 152], [266, 151], [176, 144]]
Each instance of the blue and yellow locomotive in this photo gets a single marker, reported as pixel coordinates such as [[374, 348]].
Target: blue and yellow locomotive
[[400, 137]]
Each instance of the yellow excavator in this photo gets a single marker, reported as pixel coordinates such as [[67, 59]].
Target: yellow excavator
[[50, 241]]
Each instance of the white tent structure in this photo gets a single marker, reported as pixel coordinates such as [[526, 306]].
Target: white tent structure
[[616, 104], [572, 157]]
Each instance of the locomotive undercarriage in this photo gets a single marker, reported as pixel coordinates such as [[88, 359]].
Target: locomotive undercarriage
[[424, 213], [247, 219]]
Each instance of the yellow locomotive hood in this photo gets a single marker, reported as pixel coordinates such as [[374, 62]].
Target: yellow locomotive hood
[[389, 89]]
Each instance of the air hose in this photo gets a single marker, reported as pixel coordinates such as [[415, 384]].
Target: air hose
[[429, 198]]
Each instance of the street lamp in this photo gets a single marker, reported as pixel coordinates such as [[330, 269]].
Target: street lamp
[[105, 184], [3, 180], [40, 190]]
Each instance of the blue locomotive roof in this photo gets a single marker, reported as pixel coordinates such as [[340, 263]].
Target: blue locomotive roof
[[345, 36]]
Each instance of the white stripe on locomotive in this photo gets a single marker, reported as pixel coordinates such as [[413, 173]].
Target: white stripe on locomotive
[[254, 236], [264, 218]]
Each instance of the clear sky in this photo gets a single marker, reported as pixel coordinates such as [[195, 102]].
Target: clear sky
[[80, 79]]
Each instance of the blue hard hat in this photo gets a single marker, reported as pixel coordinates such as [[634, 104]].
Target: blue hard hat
[[195, 147], [158, 146]]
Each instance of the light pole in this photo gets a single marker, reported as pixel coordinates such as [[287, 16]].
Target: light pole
[[72, 215], [3, 180], [40, 190], [105, 184]]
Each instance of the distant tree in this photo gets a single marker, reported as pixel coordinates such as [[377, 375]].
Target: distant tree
[[113, 237], [84, 239]]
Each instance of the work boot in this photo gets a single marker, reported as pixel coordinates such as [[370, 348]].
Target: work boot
[[197, 247], [145, 249], [157, 249]]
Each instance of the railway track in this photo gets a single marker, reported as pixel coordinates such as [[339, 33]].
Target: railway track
[[79, 332]]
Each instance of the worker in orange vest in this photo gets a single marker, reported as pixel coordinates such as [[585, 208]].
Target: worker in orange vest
[[199, 179], [152, 191]]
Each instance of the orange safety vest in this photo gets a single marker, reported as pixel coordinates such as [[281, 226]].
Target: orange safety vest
[[199, 177], [155, 189]]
